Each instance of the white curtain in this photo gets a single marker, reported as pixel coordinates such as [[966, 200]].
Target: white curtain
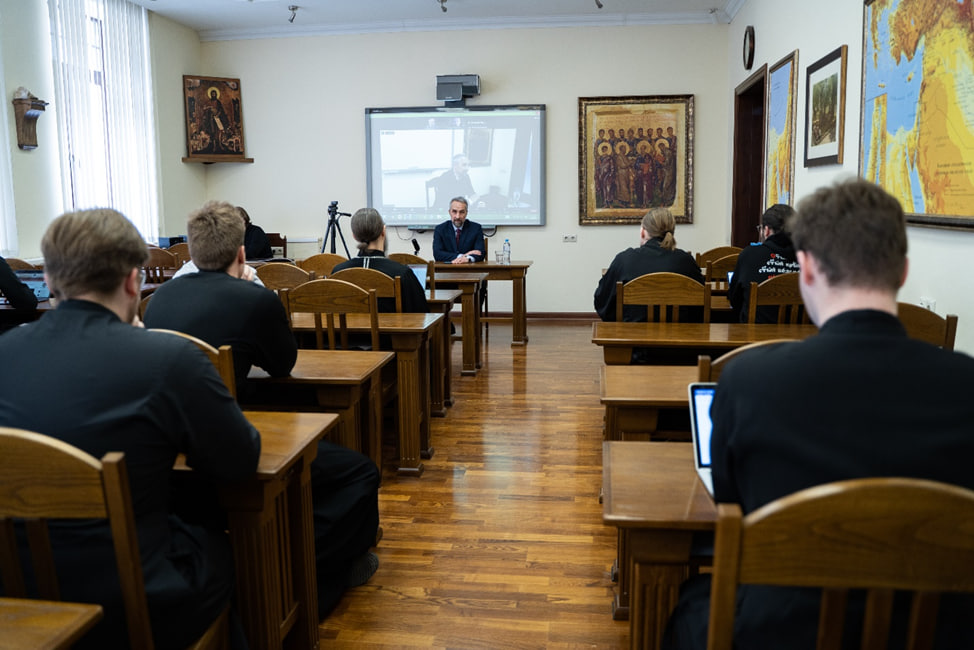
[[103, 90], [8, 214]]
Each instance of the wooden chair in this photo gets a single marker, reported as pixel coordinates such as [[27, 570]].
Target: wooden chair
[[708, 370], [221, 358], [385, 286], [333, 298], [43, 478], [277, 240], [19, 264], [923, 324], [409, 258], [716, 254], [181, 251], [322, 263], [160, 266], [665, 292], [717, 270], [782, 292], [876, 534], [283, 275]]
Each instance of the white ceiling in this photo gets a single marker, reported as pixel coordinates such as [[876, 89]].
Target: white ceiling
[[232, 19]]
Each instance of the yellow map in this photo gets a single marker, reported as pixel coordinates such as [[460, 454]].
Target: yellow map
[[918, 104]]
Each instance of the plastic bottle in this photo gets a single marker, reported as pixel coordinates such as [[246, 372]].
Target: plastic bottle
[[507, 251]]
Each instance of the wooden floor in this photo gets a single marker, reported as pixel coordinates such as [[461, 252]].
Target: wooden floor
[[500, 544]]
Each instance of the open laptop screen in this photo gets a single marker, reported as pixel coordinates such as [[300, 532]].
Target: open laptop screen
[[420, 271], [702, 397]]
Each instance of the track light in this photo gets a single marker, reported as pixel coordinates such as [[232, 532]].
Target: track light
[[294, 12], [598, 3], [442, 5]]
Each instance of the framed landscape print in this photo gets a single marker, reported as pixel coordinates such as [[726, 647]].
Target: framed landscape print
[[825, 109], [635, 153], [214, 119], [779, 159], [917, 137]]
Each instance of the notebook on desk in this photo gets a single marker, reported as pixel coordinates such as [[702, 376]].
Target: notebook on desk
[[420, 271], [34, 279], [701, 426]]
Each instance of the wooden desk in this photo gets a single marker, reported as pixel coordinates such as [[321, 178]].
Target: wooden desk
[[653, 495], [410, 334], [634, 396], [272, 532], [340, 378], [619, 339], [44, 625], [441, 302], [469, 284], [516, 272]]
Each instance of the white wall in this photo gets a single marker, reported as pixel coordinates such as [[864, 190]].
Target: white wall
[[938, 267], [304, 123]]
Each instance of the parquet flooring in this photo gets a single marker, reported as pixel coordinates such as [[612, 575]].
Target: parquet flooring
[[500, 544]]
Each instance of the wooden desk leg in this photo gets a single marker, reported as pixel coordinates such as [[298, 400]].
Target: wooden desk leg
[[470, 335], [437, 380], [302, 549], [371, 418], [425, 363], [447, 359], [255, 539], [611, 431], [411, 379], [620, 605], [659, 561], [519, 280], [617, 356], [478, 342]]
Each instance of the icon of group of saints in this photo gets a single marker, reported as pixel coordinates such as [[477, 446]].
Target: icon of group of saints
[[635, 168]]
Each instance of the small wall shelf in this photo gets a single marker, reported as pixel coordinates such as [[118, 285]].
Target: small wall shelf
[[27, 109], [209, 160]]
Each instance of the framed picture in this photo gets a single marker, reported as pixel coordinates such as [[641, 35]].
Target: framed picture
[[917, 127], [214, 119], [779, 155], [634, 153], [825, 109]]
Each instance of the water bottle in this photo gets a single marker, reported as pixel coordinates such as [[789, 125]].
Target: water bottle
[[507, 251]]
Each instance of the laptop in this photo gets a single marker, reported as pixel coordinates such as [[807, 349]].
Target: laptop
[[701, 398], [34, 279], [420, 271]]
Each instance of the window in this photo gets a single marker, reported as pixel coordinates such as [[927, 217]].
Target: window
[[103, 89], [8, 215]]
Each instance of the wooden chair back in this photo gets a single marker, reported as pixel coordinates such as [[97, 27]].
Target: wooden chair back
[[663, 294], [143, 305], [333, 298], [221, 358], [385, 286], [322, 263], [926, 325], [277, 240], [409, 258], [715, 254], [181, 251], [782, 292], [708, 370], [283, 275], [718, 269], [71, 485], [160, 261], [876, 534], [16, 264]]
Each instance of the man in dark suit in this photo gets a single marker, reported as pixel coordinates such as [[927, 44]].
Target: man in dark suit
[[85, 375], [860, 399], [458, 240], [221, 307], [453, 182]]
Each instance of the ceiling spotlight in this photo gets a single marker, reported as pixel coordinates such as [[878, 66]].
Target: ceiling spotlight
[[294, 12], [598, 3], [442, 5]]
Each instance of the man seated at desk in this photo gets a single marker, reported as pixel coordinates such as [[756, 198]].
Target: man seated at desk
[[459, 240], [860, 399], [85, 375], [218, 306], [369, 231], [773, 255]]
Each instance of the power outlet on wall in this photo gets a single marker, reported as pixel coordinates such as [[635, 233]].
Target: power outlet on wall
[[569, 239]]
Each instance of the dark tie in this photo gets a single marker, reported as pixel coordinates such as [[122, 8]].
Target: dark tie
[[458, 239]]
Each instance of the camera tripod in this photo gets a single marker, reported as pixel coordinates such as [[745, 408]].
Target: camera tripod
[[334, 227]]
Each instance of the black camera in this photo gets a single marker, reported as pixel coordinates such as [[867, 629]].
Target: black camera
[[333, 208]]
